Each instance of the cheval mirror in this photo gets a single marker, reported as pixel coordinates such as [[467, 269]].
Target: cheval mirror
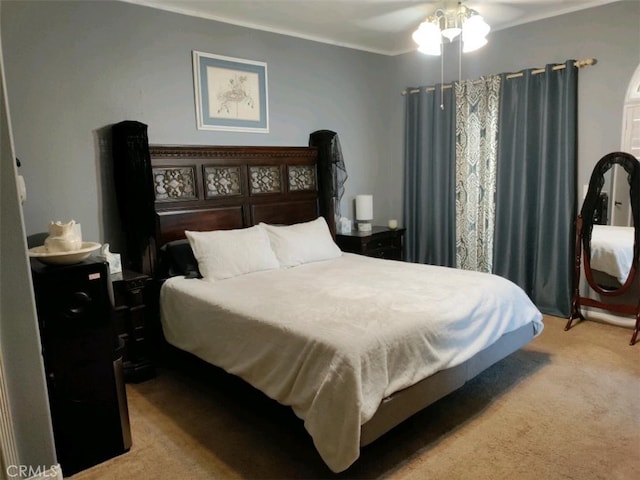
[[608, 255]]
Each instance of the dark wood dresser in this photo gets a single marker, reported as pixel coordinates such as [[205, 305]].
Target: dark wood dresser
[[83, 363], [380, 242]]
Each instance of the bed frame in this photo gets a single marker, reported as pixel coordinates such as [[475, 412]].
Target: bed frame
[[210, 188]]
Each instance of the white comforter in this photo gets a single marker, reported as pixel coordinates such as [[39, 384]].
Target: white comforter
[[333, 338], [612, 250]]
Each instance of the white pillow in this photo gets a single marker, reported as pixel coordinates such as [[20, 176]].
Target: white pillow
[[228, 253], [302, 242]]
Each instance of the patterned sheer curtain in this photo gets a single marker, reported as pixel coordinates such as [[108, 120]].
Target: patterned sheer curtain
[[477, 108]]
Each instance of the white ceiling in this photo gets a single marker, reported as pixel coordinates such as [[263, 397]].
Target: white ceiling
[[379, 26]]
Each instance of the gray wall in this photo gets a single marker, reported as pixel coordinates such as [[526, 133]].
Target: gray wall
[[102, 62], [75, 67], [610, 33]]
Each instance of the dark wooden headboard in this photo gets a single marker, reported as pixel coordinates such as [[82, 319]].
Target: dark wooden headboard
[[223, 187]]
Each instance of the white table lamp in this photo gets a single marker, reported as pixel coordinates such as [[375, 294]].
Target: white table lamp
[[364, 212]]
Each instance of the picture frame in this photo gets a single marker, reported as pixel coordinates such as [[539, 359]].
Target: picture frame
[[230, 93]]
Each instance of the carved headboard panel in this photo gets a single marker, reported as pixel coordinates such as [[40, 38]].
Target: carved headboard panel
[[218, 188]]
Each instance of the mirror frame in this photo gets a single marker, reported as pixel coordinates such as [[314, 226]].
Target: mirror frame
[[585, 220]]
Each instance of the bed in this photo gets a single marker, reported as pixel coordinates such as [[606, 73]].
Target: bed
[[354, 345]]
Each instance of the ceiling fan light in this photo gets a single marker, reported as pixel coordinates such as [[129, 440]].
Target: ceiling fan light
[[427, 32], [430, 49], [428, 38], [450, 24], [451, 33], [475, 26], [473, 44]]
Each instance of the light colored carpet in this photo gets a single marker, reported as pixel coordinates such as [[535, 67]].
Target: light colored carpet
[[565, 407]]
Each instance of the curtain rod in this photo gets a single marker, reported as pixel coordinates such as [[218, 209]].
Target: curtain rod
[[578, 64]]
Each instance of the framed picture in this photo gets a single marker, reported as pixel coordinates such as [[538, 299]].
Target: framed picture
[[231, 93]]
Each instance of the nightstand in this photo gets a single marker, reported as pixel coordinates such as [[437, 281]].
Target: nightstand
[[380, 242], [131, 315]]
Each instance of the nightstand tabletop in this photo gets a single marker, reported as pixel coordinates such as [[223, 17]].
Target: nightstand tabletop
[[380, 242], [374, 230]]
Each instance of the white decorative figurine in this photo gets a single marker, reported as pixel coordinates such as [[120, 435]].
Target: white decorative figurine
[[63, 237]]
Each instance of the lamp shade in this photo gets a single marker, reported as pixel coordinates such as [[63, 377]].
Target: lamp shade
[[475, 26], [364, 207], [473, 45], [428, 38]]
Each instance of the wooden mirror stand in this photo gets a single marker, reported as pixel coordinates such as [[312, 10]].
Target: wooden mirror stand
[[584, 230]]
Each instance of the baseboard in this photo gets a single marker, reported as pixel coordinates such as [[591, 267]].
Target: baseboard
[[604, 317]]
